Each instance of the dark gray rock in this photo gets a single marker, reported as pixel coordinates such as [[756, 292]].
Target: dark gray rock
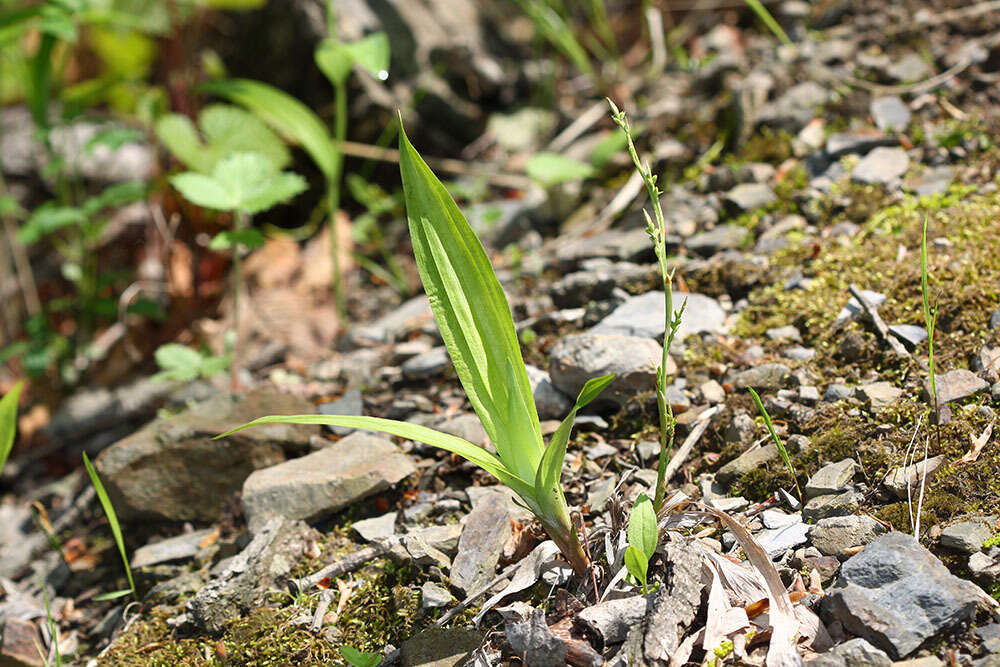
[[831, 478], [837, 392], [890, 114], [845, 143], [534, 642], [580, 357], [836, 536], [440, 647], [897, 595], [394, 325], [325, 481], [765, 376], [749, 197], [549, 401], [968, 536], [747, 461], [430, 364], [487, 528], [837, 504], [579, 288], [853, 653], [643, 316], [350, 404], [723, 237], [174, 469], [612, 620], [796, 107], [741, 429]]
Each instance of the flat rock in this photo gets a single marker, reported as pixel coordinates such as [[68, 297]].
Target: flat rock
[[881, 166], [433, 596], [612, 620], [579, 357], [832, 478], [968, 536], [747, 461], [836, 536], [394, 325], [776, 541], [325, 481], [430, 364], [955, 385], [272, 553], [910, 334], [643, 316], [181, 547], [878, 395], [440, 647], [723, 237], [376, 528], [532, 639], [549, 401], [853, 308], [487, 528], [853, 653], [764, 376], [897, 595], [900, 479], [839, 144], [173, 468], [825, 506], [350, 404], [890, 113], [795, 107], [20, 644], [749, 196]]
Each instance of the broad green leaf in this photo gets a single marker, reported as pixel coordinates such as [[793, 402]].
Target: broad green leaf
[[371, 53], [48, 218], [472, 314], [275, 190], [109, 511], [178, 134], [8, 422], [118, 194], [474, 453], [113, 138], [251, 238], [292, 119], [637, 565], [358, 658], [334, 61], [552, 169], [204, 191], [550, 469], [642, 531], [173, 356]]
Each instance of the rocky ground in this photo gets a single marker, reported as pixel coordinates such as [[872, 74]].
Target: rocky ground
[[799, 255]]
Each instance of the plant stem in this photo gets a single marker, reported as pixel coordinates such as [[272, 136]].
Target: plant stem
[[237, 285], [930, 319]]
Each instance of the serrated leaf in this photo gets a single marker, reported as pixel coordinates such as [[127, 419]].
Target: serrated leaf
[[204, 191], [109, 511], [8, 422], [642, 531], [637, 564], [472, 314], [551, 169], [292, 119]]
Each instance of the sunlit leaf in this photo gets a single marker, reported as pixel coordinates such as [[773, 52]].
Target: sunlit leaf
[[109, 511], [552, 169], [637, 564], [642, 530], [358, 659], [8, 422], [250, 238]]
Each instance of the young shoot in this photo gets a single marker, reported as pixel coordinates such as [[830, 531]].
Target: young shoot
[[474, 318], [930, 321], [643, 537], [656, 227], [777, 441], [116, 532], [8, 422]]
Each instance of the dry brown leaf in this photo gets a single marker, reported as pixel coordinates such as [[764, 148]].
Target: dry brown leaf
[[978, 444]]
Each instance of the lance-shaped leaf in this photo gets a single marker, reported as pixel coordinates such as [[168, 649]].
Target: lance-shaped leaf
[[8, 421], [472, 313], [642, 530]]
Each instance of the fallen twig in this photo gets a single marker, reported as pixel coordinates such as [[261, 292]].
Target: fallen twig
[[881, 328]]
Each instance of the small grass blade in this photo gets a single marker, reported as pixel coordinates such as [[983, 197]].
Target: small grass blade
[[114, 595], [764, 15], [8, 422], [116, 529], [777, 441]]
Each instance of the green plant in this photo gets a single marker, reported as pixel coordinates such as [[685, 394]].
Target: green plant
[[657, 231], [474, 318], [53, 628], [782, 451], [551, 169], [116, 532], [643, 537], [8, 422], [764, 15], [181, 363], [358, 658], [243, 184], [992, 541], [930, 320]]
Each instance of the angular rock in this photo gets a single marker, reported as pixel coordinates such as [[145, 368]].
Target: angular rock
[[350, 404], [910, 334], [433, 596], [968, 536], [837, 535], [181, 547], [325, 481], [853, 309], [831, 478], [534, 642], [643, 316], [395, 324], [890, 114], [837, 504], [765, 376], [487, 528], [897, 595], [878, 395], [839, 144], [777, 541], [796, 107], [955, 385], [580, 357], [747, 461], [749, 197], [723, 237], [612, 620], [910, 67], [272, 553], [853, 653], [173, 468], [21, 642], [882, 166], [440, 647], [428, 365], [376, 528], [899, 479], [549, 401]]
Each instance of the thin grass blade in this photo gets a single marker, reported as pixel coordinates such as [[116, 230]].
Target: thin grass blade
[[109, 511], [777, 441]]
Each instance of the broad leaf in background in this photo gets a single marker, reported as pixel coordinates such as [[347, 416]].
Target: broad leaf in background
[[245, 182], [8, 422], [226, 130], [248, 238], [336, 58], [289, 117], [359, 659], [551, 169], [182, 363]]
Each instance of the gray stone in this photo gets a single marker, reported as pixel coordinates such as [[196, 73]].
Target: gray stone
[[272, 553], [643, 316], [837, 504], [836, 536], [747, 461], [21, 644], [577, 358], [325, 481], [831, 478], [430, 364], [765, 376], [853, 308], [395, 324], [101, 163], [910, 67], [787, 332], [581, 287], [863, 141], [487, 528], [468, 427], [174, 469], [878, 395], [989, 635], [433, 596], [549, 401], [995, 320], [776, 541], [910, 334], [181, 547], [881, 166], [741, 429], [890, 114], [853, 653], [795, 107], [932, 181], [899, 479], [749, 197], [350, 404], [534, 642], [837, 392], [967, 536], [774, 518], [440, 647], [897, 595], [712, 392], [376, 528], [955, 385], [809, 395], [723, 237], [612, 620]]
